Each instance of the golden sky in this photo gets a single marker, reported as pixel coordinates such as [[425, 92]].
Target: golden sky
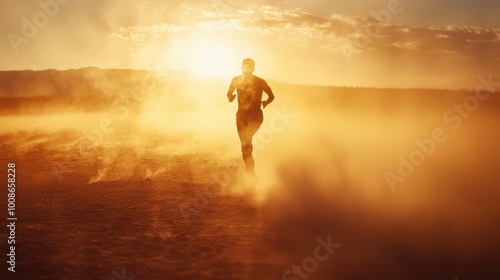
[[390, 43]]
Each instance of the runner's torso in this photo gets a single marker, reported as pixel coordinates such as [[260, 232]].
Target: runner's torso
[[249, 89]]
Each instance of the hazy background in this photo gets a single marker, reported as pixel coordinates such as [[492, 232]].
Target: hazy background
[[103, 138], [431, 44], [127, 151]]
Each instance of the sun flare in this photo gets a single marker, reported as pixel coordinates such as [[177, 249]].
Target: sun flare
[[208, 57]]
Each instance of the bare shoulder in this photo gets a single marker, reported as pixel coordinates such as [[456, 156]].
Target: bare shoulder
[[260, 80], [235, 81], [237, 78]]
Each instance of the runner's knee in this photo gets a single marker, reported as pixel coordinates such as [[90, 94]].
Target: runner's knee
[[246, 149]]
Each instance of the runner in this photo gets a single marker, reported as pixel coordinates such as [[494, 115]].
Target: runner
[[249, 116]]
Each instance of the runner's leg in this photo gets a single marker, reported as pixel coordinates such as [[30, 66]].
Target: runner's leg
[[247, 127]]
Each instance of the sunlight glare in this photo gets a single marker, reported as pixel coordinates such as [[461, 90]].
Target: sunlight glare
[[208, 57]]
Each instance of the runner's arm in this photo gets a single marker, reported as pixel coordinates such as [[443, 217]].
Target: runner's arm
[[230, 94], [270, 93]]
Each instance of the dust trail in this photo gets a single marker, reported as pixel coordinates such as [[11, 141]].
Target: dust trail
[[324, 175]]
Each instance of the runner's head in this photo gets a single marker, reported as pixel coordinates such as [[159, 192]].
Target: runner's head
[[248, 66]]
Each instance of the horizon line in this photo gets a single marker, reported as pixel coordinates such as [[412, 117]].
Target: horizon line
[[191, 75]]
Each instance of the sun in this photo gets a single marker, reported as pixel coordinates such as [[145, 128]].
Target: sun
[[206, 54], [209, 57]]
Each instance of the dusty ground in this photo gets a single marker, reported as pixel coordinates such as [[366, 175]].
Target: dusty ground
[[150, 204]]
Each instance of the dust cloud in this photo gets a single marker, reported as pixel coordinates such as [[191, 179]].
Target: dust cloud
[[322, 158]]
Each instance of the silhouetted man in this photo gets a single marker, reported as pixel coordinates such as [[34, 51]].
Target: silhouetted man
[[249, 116]]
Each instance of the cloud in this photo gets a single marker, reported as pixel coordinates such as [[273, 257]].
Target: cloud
[[335, 33], [140, 33], [412, 46], [343, 49]]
